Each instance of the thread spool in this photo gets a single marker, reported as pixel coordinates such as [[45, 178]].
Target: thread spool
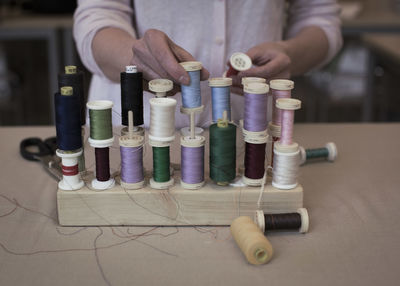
[[286, 166], [221, 97], [287, 107], [222, 151], [255, 107], [298, 221], [68, 125], [251, 241], [74, 78], [101, 138], [254, 164], [131, 148], [69, 166], [162, 119], [329, 152], [161, 166], [238, 62], [280, 88], [191, 97], [192, 162], [161, 86], [132, 95], [246, 80]]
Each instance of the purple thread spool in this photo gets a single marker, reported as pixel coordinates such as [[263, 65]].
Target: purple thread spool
[[131, 148], [255, 107], [192, 162]]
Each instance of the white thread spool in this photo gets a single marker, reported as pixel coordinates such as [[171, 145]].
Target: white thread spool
[[70, 159], [259, 219], [161, 86], [162, 119], [286, 166]]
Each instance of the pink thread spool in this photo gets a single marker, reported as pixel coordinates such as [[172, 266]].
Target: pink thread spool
[[287, 106], [280, 88]]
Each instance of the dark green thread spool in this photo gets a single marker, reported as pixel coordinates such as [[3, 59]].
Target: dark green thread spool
[[161, 171], [222, 153]]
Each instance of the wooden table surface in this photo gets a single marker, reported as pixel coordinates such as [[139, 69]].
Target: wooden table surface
[[354, 238]]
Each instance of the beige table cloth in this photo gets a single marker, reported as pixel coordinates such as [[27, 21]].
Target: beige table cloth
[[354, 238]]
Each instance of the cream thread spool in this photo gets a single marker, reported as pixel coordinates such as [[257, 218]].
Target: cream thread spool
[[71, 177], [251, 241], [162, 119], [259, 220]]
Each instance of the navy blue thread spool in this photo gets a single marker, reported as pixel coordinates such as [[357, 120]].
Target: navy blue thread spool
[[74, 78], [221, 97], [68, 121]]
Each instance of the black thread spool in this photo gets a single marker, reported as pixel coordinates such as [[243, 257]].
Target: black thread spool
[[297, 221], [73, 77], [132, 95]]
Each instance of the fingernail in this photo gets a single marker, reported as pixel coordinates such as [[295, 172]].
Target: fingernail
[[184, 80]]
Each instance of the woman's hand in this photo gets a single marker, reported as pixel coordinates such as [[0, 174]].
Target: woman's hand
[[158, 57], [270, 61]]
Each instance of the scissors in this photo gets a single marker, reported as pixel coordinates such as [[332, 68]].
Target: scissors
[[45, 154]]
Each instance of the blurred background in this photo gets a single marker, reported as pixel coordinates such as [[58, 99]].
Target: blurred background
[[358, 85]]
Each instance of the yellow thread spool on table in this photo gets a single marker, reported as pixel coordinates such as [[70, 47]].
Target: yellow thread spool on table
[[254, 245]]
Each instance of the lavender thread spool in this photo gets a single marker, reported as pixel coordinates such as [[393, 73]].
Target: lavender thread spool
[[255, 108], [192, 162], [131, 148]]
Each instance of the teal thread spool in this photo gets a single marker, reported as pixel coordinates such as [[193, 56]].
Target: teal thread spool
[[329, 152], [222, 152]]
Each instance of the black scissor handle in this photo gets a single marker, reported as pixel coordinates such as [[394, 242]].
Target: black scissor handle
[[33, 156]]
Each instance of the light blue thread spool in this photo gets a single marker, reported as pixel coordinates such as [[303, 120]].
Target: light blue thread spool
[[221, 97], [191, 96]]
